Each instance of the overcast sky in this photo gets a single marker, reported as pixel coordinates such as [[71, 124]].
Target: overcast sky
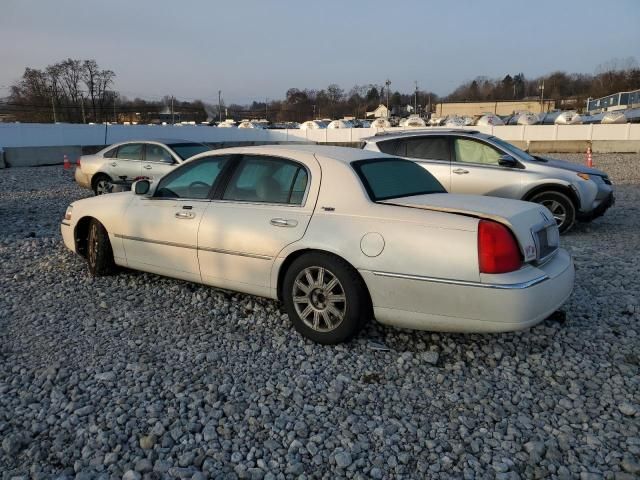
[[257, 49]]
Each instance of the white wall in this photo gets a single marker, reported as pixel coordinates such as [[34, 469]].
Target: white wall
[[44, 135]]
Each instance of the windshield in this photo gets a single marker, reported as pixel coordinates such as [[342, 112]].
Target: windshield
[[513, 149], [387, 178], [188, 150]]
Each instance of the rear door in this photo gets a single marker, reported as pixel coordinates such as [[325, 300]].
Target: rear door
[[265, 206], [158, 161], [475, 169], [432, 152], [126, 164]]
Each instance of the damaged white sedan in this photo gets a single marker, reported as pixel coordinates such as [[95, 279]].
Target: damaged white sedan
[[339, 235]]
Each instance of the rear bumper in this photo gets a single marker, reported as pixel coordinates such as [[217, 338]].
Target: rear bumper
[[516, 302], [599, 210], [82, 179]]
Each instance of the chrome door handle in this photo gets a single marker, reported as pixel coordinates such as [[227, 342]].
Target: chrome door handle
[[148, 167], [185, 215], [114, 164], [283, 222], [460, 171]]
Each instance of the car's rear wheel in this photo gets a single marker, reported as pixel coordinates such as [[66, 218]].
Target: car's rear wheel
[[560, 206], [99, 252], [101, 184], [325, 298]]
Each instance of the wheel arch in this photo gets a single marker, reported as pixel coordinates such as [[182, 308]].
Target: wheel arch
[[554, 187], [291, 257], [96, 176], [81, 234]]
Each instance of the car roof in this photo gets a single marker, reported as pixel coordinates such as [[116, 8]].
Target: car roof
[[165, 141], [340, 154], [422, 132]]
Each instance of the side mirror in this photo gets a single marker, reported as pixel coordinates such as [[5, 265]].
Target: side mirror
[[507, 161], [142, 187]]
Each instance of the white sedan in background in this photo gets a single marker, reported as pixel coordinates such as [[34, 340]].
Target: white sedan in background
[[339, 235], [127, 161]]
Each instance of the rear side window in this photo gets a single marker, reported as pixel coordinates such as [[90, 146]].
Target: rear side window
[[130, 151], [111, 153], [264, 179], [389, 146], [384, 179], [155, 153], [432, 148]]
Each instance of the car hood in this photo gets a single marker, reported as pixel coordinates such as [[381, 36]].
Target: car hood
[[522, 218], [573, 167]]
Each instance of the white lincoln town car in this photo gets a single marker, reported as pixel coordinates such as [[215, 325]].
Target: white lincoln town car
[[338, 235]]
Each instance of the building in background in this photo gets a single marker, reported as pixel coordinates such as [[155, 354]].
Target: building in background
[[616, 101], [497, 108], [381, 112]]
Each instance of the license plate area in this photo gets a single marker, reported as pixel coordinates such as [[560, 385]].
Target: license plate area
[[547, 240]]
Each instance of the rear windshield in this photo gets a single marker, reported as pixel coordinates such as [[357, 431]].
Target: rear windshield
[[188, 150], [387, 178]]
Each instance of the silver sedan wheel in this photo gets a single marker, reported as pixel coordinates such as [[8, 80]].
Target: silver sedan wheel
[[319, 299], [557, 210], [102, 187]]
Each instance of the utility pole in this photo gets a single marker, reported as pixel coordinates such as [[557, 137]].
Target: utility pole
[[416, 103], [266, 109], [314, 113], [541, 88], [53, 105], [220, 105], [84, 119], [115, 118], [173, 118], [388, 84]]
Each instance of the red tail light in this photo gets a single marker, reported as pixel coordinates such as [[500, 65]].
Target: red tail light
[[498, 250]]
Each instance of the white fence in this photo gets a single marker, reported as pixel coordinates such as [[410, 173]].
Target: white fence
[[48, 135]]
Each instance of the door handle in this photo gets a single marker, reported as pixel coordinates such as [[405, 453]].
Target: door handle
[[148, 167], [185, 215], [460, 171], [283, 222], [114, 164]]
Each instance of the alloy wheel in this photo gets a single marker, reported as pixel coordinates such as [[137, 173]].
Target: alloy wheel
[[319, 299], [557, 210]]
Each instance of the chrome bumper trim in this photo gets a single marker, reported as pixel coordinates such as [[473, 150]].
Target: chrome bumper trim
[[449, 281]]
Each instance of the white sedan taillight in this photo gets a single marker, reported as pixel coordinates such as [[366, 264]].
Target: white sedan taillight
[[498, 250]]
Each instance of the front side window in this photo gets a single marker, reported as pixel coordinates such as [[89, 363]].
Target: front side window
[[384, 179], [472, 151], [432, 148], [265, 179], [156, 153], [193, 180], [130, 151]]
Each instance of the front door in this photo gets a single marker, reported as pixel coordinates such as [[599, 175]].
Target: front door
[[160, 232], [476, 170], [264, 208]]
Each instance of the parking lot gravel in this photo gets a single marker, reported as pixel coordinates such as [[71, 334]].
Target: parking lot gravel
[[137, 376]]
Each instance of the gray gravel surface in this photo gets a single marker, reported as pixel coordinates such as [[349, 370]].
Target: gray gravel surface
[[136, 376]]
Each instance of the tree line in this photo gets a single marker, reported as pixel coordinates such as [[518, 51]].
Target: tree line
[[79, 91]]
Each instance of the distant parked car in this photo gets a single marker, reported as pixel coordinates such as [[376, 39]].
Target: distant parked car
[[467, 161], [127, 161], [339, 235]]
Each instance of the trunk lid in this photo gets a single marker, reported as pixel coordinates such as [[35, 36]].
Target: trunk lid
[[532, 224]]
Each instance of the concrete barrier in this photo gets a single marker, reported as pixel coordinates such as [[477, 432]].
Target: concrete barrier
[[38, 156]]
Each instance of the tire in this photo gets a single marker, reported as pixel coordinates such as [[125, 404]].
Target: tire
[[101, 184], [560, 206], [99, 252], [311, 310]]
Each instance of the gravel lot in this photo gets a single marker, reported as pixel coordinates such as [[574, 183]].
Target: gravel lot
[[139, 376]]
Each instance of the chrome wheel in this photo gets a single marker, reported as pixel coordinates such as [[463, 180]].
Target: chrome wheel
[[103, 186], [557, 210], [319, 299]]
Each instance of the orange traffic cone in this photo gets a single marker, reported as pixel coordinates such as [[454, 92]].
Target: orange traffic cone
[[589, 158], [66, 163]]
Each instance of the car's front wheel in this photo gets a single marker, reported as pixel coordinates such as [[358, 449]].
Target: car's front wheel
[[560, 206], [101, 184], [325, 298], [99, 252]]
